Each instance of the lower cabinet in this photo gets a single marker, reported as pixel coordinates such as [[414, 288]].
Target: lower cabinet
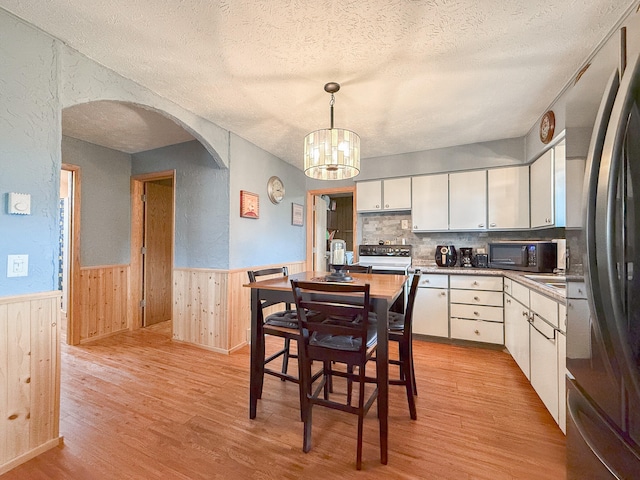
[[431, 310], [544, 363], [516, 332], [477, 308]]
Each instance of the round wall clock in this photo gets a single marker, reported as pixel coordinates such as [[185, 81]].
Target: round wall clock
[[547, 126], [275, 190]]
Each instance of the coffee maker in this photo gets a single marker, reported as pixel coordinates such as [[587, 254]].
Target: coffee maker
[[446, 256], [466, 260]]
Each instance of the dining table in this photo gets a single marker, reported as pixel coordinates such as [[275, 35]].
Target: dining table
[[384, 291]]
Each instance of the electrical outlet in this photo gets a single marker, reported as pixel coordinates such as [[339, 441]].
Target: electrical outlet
[[405, 224]]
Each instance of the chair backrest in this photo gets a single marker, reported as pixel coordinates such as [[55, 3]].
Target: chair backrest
[[408, 314], [344, 310], [358, 269], [254, 276]]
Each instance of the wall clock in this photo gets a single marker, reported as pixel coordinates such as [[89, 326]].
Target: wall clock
[[547, 126], [275, 190]]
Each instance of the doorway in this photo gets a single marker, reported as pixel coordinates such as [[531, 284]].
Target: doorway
[[152, 245], [331, 212]]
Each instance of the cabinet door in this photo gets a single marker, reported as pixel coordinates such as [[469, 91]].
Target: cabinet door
[[430, 203], [508, 191], [562, 382], [397, 194], [468, 200], [544, 364], [369, 196], [431, 312], [542, 192], [574, 178], [516, 332]]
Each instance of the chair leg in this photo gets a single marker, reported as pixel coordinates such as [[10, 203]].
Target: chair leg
[[285, 356], [408, 380], [360, 418], [413, 371], [305, 402], [349, 384]]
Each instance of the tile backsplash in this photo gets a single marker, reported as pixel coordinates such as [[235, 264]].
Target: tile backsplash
[[376, 227]]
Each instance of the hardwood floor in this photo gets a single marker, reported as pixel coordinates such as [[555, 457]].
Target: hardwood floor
[[139, 406]]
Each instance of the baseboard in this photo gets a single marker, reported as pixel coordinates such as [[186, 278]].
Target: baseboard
[[25, 457]]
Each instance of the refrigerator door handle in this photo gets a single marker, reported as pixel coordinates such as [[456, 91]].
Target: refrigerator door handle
[[601, 437]]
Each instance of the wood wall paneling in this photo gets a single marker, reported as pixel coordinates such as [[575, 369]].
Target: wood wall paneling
[[29, 376], [104, 301]]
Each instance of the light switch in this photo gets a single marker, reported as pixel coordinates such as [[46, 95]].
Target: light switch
[[405, 224], [17, 265]]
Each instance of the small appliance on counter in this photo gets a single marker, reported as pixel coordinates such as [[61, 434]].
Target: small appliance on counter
[[446, 256], [466, 260], [536, 256], [481, 260]]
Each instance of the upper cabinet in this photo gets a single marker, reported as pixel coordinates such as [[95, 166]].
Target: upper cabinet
[[389, 194], [542, 191], [430, 202], [468, 200], [508, 190]]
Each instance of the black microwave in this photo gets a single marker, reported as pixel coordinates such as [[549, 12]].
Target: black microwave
[[536, 256]]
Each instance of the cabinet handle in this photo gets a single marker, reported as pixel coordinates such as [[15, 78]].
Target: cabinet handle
[[475, 284], [508, 300], [377, 206], [477, 332], [525, 314], [492, 224], [415, 227], [476, 314], [386, 205], [481, 225], [477, 299], [442, 294], [580, 291]]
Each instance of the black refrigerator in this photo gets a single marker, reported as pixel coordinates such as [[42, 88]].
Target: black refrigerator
[[603, 346]]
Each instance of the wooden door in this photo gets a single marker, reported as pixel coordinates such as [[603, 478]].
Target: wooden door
[[157, 258], [319, 234]]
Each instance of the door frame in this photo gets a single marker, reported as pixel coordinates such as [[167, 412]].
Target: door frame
[[74, 301], [310, 223], [137, 239]]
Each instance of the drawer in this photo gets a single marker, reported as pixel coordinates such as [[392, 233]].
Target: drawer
[[562, 317], [476, 297], [576, 290], [520, 293], [476, 282], [477, 331], [434, 281], [477, 312], [544, 307], [507, 285]]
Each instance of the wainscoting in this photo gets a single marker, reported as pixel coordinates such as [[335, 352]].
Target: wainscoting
[[29, 376], [212, 309], [104, 301]]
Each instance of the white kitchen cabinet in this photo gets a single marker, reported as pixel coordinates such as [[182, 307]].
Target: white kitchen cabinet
[[575, 168], [389, 194], [396, 193], [516, 332], [544, 363], [369, 196], [468, 200], [477, 308], [562, 382], [430, 203], [542, 191], [431, 310], [508, 197]]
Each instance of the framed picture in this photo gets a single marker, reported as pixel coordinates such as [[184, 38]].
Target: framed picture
[[297, 215], [249, 204]]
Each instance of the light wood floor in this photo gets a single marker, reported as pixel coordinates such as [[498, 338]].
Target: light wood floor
[[139, 406]]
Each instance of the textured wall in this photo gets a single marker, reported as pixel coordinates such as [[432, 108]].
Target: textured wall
[[29, 154], [270, 239], [105, 203], [202, 203]]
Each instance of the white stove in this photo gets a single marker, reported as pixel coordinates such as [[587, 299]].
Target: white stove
[[386, 258]]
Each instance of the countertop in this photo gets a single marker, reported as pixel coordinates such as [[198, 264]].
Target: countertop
[[557, 294]]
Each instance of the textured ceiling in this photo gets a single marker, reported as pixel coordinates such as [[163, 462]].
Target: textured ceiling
[[415, 74]]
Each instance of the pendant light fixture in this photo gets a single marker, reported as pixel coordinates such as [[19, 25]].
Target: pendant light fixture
[[332, 153]]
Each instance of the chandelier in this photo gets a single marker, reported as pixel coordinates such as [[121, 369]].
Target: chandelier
[[332, 153]]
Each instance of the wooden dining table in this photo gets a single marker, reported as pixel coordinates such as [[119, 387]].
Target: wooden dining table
[[384, 290]]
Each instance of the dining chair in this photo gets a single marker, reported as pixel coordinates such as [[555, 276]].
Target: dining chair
[[283, 324], [358, 269], [345, 336], [400, 331]]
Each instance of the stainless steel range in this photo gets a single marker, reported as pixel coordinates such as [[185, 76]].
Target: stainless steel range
[[386, 258]]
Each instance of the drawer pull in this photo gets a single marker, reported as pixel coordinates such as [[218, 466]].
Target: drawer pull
[[476, 331], [508, 300], [475, 284], [477, 299], [476, 314], [443, 294]]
